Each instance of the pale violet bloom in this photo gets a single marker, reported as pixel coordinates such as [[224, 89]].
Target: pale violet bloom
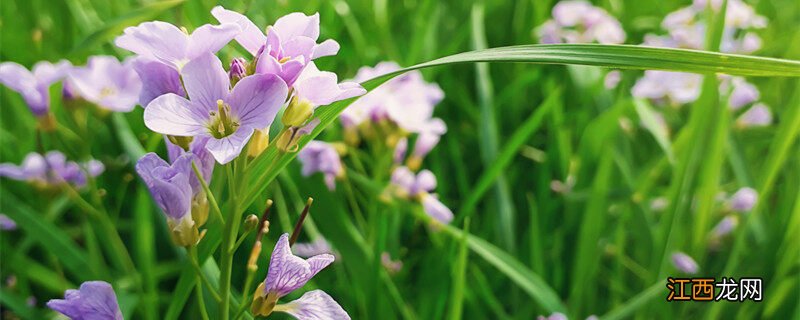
[[34, 85], [157, 79], [417, 187], [758, 115], [675, 88], [6, 223], [51, 169], [169, 185], [313, 248], [554, 316], [400, 150], [320, 88], [406, 100], [95, 300], [108, 83], [612, 79], [743, 200], [288, 273], [202, 159], [289, 45], [227, 116], [743, 93], [684, 263], [172, 46], [393, 266], [578, 21], [725, 226], [429, 137], [318, 156]]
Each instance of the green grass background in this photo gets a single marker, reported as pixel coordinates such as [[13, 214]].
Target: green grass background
[[513, 128]]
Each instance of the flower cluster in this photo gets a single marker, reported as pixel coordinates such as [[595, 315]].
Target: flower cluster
[[417, 187], [578, 21], [52, 169], [318, 156], [687, 29]]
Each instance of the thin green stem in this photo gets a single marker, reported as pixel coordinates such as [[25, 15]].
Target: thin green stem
[[228, 241], [245, 293], [200, 275], [209, 194], [201, 303]]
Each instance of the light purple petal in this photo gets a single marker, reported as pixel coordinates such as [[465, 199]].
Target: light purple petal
[[251, 37], [298, 47], [314, 305], [744, 199], [684, 263], [156, 39], [321, 87], [436, 209], [173, 115], [288, 272], [94, 301], [19, 79], [206, 81], [426, 181], [168, 184], [108, 83], [47, 73], [6, 224], [209, 39], [200, 155], [404, 178], [400, 150], [758, 115], [298, 24], [288, 70], [256, 99], [157, 79], [228, 148], [327, 48]]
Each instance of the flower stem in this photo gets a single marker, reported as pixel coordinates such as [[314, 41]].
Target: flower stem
[[228, 241], [198, 291], [209, 195]]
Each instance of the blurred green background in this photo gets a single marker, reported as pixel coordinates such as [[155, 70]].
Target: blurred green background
[[599, 246]]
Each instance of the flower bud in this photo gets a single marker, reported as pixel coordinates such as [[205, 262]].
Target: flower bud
[[250, 222], [297, 113], [258, 143], [200, 209], [286, 142], [263, 304], [182, 142], [184, 231], [237, 71]]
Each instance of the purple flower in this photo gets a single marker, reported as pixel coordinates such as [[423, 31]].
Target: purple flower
[[676, 88], [393, 266], [228, 117], [287, 273], [318, 156], [554, 316], [107, 83], [95, 300], [406, 100], [170, 188], [172, 46], [400, 150], [288, 46], [33, 86], [743, 92], [202, 159], [577, 21], [313, 248], [612, 79], [168, 184], [51, 169], [725, 226], [429, 137], [418, 187], [6, 224], [684, 263], [757, 116], [238, 70], [157, 79], [743, 200]]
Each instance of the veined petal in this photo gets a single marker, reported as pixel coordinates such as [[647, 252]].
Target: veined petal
[[251, 37], [288, 272], [314, 305], [173, 115], [257, 99], [228, 148], [206, 81], [157, 79], [156, 39], [168, 184], [209, 38], [298, 24]]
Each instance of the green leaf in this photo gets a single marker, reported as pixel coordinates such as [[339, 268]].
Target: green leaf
[[50, 237], [114, 27], [264, 169]]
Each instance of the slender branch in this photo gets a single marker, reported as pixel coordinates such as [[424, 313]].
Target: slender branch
[[209, 195]]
